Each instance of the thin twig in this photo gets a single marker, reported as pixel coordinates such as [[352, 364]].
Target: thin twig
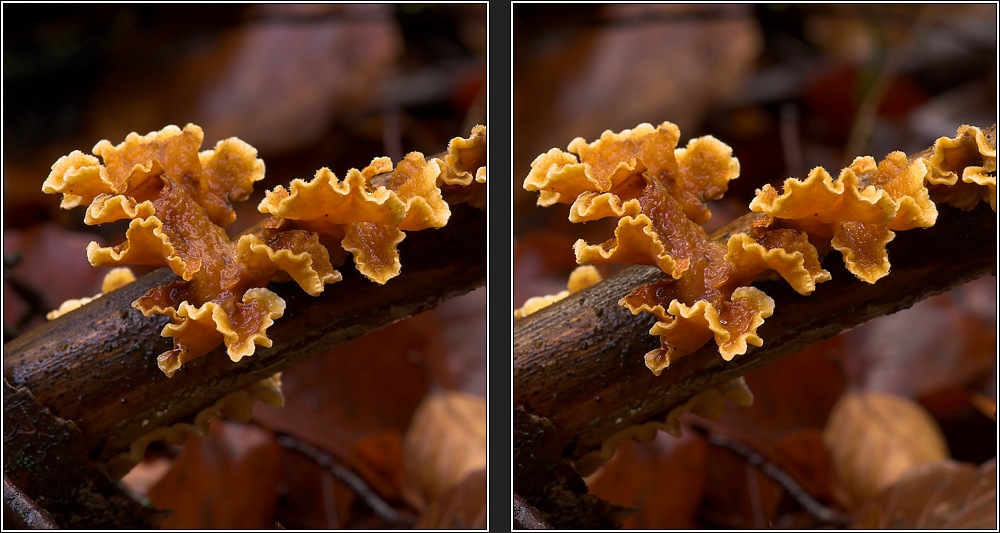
[[780, 476], [375, 502]]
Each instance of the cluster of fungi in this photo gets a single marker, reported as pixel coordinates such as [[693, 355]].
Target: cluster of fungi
[[179, 202], [658, 193]]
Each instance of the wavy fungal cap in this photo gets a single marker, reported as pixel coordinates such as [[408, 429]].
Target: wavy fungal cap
[[178, 201], [658, 193], [962, 170], [581, 278]]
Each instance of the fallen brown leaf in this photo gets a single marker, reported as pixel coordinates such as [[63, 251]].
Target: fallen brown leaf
[[380, 463], [944, 342], [804, 451], [739, 494], [985, 404], [459, 361], [51, 262], [942, 495], [146, 474], [793, 393], [463, 506], [227, 481], [875, 438], [313, 498], [368, 385], [445, 442], [664, 480]]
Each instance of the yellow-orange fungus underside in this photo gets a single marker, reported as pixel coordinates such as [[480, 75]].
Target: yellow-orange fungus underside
[[295, 252], [581, 278], [326, 204], [465, 161], [374, 249], [733, 327], [863, 246], [962, 170], [822, 200], [904, 181], [415, 183], [785, 251]]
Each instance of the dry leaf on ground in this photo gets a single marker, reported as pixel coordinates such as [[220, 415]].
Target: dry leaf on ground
[[459, 363], [227, 481], [463, 506], [803, 451], [46, 262], [740, 495], [664, 480], [313, 497], [875, 438], [280, 84], [948, 341], [943, 495], [793, 393], [446, 441], [368, 385], [380, 463]]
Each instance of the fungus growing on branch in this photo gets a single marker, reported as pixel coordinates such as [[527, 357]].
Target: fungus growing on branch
[[178, 201], [658, 193], [962, 170], [581, 278], [115, 278]]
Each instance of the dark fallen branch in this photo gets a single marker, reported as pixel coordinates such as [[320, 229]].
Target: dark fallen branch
[[96, 366]]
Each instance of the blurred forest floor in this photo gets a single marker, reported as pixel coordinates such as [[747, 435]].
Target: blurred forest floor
[[385, 432], [910, 397]]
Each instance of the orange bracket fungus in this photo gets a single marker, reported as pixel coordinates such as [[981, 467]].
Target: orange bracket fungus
[[179, 202], [658, 193], [581, 278]]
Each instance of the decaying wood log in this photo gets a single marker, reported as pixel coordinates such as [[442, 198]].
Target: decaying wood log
[[96, 366], [578, 364]]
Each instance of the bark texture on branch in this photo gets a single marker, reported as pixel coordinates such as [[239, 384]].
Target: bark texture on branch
[[96, 366], [21, 512]]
